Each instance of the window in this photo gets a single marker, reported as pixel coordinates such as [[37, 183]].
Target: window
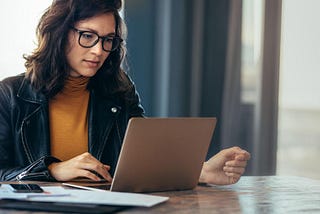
[[18, 21], [252, 30], [299, 103]]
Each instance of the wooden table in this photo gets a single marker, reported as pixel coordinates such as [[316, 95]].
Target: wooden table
[[252, 194]]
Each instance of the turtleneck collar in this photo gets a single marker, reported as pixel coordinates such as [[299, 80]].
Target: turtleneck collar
[[74, 85]]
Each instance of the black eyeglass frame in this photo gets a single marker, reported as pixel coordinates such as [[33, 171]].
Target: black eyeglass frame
[[103, 38]]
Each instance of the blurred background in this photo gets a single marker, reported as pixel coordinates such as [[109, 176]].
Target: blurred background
[[253, 64]]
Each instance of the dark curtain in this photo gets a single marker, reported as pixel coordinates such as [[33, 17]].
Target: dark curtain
[[184, 57], [177, 57]]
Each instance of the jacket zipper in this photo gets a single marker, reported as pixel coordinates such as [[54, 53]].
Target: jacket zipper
[[118, 130], [25, 172], [24, 143], [29, 175]]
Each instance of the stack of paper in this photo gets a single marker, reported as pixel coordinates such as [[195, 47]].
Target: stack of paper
[[60, 194], [6, 192]]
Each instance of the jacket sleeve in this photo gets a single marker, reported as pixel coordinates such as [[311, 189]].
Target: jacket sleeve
[[38, 170], [10, 168]]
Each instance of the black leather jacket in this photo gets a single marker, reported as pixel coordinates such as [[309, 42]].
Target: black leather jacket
[[25, 137]]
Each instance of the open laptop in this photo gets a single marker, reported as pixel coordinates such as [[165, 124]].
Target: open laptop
[[161, 154]]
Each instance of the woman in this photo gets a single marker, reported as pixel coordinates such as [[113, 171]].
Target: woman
[[65, 118]]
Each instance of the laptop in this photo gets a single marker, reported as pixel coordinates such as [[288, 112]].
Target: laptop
[[162, 154]]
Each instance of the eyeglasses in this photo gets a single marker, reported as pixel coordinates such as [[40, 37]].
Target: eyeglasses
[[88, 39]]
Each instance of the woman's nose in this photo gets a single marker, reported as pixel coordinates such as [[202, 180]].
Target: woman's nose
[[97, 48]]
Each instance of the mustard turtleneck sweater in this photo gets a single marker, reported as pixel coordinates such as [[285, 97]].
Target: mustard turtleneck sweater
[[68, 116]]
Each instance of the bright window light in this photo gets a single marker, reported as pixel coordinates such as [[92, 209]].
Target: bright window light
[[18, 20]]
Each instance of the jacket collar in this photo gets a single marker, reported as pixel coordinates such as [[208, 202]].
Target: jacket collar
[[28, 93]]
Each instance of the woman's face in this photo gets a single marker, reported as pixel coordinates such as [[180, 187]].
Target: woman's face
[[87, 61]]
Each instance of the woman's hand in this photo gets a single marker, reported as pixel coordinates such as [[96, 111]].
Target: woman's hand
[[226, 167], [84, 165]]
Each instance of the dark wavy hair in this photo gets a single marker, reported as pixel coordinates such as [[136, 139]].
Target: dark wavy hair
[[47, 66]]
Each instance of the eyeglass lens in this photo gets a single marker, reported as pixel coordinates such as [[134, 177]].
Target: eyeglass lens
[[89, 39]]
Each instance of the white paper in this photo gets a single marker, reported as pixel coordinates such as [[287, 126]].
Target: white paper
[[5, 192], [57, 191], [101, 197]]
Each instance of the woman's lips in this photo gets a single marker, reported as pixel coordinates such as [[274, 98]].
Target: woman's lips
[[91, 63]]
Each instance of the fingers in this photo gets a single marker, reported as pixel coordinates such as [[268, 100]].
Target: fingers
[[234, 170], [240, 153], [88, 174], [237, 157], [243, 155], [235, 167], [236, 152], [233, 178], [95, 170], [84, 165], [94, 167], [233, 173], [236, 163], [226, 167], [107, 167]]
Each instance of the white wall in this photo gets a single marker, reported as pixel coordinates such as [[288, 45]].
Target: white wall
[[300, 56], [18, 20]]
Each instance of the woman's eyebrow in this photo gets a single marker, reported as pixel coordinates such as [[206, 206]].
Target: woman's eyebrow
[[94, 31]]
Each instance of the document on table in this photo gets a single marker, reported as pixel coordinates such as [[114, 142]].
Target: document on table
[[102, 198], [57, 191]]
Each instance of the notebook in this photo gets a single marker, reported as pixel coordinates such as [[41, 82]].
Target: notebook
[[162, 154]]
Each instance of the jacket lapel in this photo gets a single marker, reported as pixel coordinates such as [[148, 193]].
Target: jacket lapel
[[34, 129], [102, 116]]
